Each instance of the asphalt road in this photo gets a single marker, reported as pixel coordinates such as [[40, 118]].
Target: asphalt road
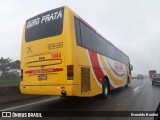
[[140, 96]]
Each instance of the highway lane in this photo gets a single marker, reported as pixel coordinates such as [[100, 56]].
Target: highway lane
[[140, 96]]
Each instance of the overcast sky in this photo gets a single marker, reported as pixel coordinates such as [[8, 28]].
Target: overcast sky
[[131, 25]]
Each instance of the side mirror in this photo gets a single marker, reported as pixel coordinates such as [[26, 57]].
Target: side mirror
[[131, 67]]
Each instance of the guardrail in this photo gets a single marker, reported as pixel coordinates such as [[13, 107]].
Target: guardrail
[[12, 93], [134, 77]]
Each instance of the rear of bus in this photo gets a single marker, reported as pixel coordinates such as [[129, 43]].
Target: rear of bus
[[47, 60]]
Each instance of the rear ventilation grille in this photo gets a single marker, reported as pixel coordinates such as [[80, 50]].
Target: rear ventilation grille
[[85, 79]]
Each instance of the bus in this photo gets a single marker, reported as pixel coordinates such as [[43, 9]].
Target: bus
[[63, 55]]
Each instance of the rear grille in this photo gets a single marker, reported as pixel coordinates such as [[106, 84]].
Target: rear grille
[[85, 79]]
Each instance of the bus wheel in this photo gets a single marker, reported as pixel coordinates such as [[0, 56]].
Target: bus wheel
[[105, 89]]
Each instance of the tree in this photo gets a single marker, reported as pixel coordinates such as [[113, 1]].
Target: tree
[[4, 66], [15, 65]]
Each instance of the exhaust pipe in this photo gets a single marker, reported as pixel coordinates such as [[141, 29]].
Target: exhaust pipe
[[63, 93]]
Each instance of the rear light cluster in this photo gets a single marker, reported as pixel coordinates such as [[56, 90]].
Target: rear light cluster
[[22, 74], [70, 72]]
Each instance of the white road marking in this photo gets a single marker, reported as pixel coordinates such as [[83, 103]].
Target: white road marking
[[29, 104], [136, 89]]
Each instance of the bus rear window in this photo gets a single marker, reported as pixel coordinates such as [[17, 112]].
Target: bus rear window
[[44, 25]]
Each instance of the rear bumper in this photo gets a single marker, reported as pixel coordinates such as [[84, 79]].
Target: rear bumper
[[71, 90], [156, 81]]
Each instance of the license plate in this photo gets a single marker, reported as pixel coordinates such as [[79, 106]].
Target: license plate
[[42, 77]]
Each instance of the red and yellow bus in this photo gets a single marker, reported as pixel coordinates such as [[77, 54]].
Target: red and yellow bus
[[63, 55]]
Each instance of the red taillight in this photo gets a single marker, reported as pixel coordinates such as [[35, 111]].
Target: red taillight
[[22, 74], [62, 87], [70, 72]]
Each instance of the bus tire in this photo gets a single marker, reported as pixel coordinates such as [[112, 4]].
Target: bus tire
[[105, 89]]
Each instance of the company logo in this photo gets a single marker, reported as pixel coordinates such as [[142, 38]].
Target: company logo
[[19, 114], [118, 66], [44, 19], [6, 114], [29, 49]]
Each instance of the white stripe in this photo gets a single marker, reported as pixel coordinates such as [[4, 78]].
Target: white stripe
[[100, 85], [120, 78], [107, 62], [29, 104], [105, 73]]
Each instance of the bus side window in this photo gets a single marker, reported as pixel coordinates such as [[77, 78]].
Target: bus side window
[[78, 31]]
